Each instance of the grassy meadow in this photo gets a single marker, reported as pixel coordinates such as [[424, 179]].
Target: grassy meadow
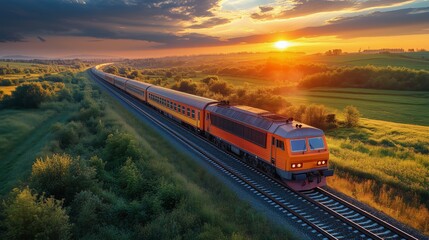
[[388, 105], [385, 165], [416, 60], [23, 137]]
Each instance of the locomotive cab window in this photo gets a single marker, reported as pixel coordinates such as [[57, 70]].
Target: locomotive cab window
[[316, 143], [281, 145], [298, 145]]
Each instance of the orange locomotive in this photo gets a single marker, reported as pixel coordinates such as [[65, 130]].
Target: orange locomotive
[[296, 152]]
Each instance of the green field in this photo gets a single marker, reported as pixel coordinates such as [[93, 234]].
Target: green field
[[7, 90], [409, 107], [23, 135], [417, 60]]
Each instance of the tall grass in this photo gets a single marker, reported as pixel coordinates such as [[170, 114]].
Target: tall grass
[[406, 209], [385, 165]]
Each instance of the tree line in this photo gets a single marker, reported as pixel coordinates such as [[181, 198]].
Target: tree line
[[391, 78]]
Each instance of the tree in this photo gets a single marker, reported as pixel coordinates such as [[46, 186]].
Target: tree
[[28, 216], [352, 116], [315, 115], [61, 176], [130, 178], [29, 95], [185, 86]]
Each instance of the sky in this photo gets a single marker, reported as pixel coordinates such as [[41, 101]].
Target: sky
[[150, 28]]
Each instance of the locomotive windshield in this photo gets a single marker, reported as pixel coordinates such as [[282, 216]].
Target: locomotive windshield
[[316, 143], [298, 145]]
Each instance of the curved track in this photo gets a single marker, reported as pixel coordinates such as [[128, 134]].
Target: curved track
[[317, 212]]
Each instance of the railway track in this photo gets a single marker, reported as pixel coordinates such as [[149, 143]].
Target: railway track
[[318, 213]]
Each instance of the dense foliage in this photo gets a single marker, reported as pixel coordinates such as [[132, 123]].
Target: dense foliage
[[30, 216], [31, 95], [101, 183]]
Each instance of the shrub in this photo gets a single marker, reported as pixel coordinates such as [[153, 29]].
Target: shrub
[[130, 178], [69, 134], [170, 196], [352, 116], [220, 87], [119, 148], [315, 115], [86, 207], [61, 176], [185, 86], [6, 82], [29, 95], [28, 216]]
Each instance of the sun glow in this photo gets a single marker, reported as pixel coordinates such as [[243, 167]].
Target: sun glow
[[282, 45]]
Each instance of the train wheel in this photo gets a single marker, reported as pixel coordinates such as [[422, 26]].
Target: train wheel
[[254, 162]]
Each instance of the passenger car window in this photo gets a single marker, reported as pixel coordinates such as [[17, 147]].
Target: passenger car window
[[316, 143], [298, 145]]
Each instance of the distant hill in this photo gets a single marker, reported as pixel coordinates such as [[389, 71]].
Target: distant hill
[[22, 57], [91, 56]]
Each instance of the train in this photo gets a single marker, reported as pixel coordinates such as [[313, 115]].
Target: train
[[296, 153]]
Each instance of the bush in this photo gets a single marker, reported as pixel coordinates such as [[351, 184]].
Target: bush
[[29, 95], [61, 176], [352, 116], [119, 148], [86, 208], [130, 178], [28, 216], [69, 134], [185, 86], [6, 82], [315, 115], [170, 196]]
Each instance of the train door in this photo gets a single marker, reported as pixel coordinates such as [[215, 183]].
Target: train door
[[273, 150]]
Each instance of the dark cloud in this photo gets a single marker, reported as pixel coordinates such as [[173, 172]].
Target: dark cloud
[[265, 9], [306, 7], [215, 21], [147, 20], [41, 39], [389, 23]]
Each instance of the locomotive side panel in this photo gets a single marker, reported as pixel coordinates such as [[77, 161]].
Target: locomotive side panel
[[252, 140]]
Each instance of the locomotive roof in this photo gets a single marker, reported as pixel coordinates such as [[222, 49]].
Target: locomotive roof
[[245, 114], [186, 98], [290, 130]]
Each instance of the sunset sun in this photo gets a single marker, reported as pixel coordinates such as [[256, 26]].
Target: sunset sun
[[282, 44]]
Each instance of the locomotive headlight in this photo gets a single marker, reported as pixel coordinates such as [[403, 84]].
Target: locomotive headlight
[[319, 162], [323, 162], [296, 165]]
